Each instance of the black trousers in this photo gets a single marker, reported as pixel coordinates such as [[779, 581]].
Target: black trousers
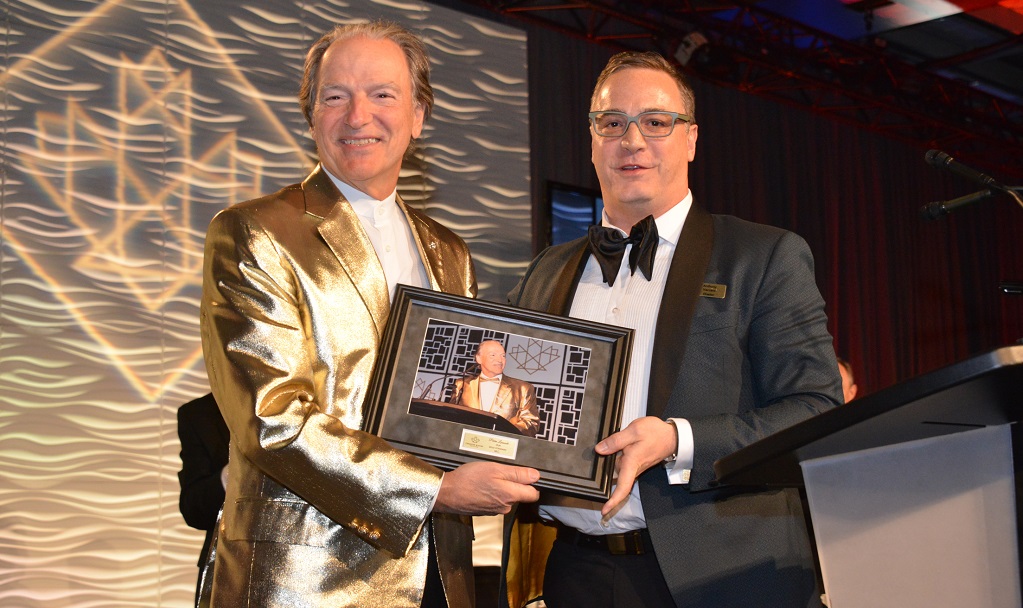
[[433, 592], [488, 580], [488, 583], [594, 578]]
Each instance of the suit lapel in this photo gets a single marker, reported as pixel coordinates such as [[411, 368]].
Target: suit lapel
[[681, 292], [502, 397], [342, 231], [427, 246], [476, 400], [567, 281]]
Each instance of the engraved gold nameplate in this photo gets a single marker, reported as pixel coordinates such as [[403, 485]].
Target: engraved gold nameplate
[[713, 290], [491, 445]]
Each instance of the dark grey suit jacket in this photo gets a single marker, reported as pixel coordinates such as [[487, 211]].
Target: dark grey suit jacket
[[756, 361]]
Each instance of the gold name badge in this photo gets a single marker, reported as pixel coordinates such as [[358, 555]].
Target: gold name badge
[[491, 445], [713, 290]]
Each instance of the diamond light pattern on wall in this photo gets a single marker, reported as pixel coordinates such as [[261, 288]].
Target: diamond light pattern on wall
[[126, 126]]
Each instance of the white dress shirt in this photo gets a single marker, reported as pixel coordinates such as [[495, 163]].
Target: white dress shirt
[[390, 234], [488, 391], [632, 302]]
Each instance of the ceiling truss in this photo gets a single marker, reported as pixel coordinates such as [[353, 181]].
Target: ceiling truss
[[771, 56]]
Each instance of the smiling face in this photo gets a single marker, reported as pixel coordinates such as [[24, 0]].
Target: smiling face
[[365, 114], [491, 358], [641, 176]]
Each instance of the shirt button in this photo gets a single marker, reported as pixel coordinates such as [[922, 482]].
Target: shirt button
[[614, 311]]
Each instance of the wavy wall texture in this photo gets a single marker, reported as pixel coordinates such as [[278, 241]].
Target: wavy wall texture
[[126, 125]]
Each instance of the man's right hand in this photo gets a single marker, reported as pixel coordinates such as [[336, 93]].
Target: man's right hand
[[486, 488]]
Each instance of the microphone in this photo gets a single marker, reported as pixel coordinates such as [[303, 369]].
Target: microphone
[[932, 211], [941, 160], [473, 369]]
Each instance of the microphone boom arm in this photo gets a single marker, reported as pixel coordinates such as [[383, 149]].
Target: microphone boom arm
[[941, 160], [932, 211]]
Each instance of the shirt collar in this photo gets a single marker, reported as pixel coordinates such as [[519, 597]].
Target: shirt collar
[[669, 224], [363, 203]]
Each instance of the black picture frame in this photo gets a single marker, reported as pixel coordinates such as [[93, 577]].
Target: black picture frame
[[578, 368]]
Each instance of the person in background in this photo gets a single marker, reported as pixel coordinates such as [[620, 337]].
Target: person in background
[[203, 476], [731, 345], [849, 387], [296, 293]]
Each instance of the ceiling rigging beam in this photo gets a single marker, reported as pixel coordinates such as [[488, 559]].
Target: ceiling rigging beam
[[738, 44]]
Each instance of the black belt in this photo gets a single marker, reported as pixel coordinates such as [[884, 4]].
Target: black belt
[[634, 542]]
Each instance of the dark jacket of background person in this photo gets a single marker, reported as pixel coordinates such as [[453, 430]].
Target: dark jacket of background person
[[204, 446]]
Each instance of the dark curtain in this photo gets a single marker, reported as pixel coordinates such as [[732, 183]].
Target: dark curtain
[[904, 295]]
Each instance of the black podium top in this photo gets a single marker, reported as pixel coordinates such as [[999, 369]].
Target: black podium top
[[980, 391], [462, 415]]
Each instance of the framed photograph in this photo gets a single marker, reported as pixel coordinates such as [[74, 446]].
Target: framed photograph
[[460, 379]]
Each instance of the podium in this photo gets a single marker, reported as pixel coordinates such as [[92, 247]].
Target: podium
[[461, 414], [910, 490]]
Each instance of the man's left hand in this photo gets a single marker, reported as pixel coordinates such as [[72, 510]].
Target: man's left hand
[[644, 443]]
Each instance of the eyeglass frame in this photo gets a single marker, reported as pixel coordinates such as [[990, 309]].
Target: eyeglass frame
[[676, 118]]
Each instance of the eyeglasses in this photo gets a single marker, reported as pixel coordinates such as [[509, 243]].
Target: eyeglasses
[[650, 124]]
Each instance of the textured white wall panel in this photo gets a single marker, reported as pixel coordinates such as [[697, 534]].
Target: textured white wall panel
[[125, 126]]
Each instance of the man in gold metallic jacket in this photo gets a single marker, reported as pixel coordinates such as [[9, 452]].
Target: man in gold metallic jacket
[[511, 398], [296, 293]]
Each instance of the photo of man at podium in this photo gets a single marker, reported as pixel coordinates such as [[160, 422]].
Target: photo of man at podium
[[493, 391]]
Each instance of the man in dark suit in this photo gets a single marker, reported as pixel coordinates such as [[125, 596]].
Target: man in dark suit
[[731, 346], [494, 391], [203, 476]]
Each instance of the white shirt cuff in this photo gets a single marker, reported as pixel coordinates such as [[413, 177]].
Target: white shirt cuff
[[678, 471], [435, 496]]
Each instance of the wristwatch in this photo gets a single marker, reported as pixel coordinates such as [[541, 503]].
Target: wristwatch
[[671, 459]]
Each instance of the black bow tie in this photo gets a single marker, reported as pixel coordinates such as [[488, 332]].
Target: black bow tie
[[608, 246]]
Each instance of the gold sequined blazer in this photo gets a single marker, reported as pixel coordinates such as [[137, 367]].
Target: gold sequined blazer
[[318, 513]]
